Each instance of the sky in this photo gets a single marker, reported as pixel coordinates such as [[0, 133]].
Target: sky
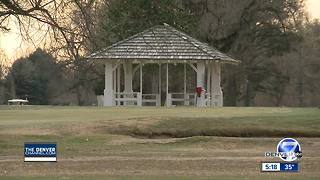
[[14, 46], [313, 6]]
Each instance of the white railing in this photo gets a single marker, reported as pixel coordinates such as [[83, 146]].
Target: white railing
[[187, 99], [131, 98], [207, 99], [135, 98], [151, 98], [138, 99], [181, 97]]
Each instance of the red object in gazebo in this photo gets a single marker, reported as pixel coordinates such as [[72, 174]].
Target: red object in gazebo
[[199, 91]]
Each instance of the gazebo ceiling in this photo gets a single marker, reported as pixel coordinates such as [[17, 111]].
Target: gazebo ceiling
[[161, 42]]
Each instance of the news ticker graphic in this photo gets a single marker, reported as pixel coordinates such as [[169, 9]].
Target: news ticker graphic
[[289, 151], [279, 167], [40, 152]]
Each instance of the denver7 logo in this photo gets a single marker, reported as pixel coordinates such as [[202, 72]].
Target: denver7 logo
[[288, 148]]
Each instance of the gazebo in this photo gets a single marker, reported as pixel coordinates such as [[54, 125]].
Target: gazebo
[[161, 45]]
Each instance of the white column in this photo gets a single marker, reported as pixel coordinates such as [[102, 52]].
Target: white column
[[118, 82], [128, 77], [139, 99], [141, 78], [216, 92], [159, 98], [108, 91], [118, 78], [167, 87], [185, 96], [114, 80], [128, 80], [141, 89], [200, 74], [169, 101], [200, 82], [209, 82]]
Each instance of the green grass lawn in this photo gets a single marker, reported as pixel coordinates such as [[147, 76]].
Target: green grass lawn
[[155, 143]]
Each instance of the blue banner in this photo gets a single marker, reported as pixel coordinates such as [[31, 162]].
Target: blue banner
[[40, 150], [289, 167]]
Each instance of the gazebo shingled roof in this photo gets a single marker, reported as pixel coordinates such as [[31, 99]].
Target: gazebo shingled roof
[[161, 42]]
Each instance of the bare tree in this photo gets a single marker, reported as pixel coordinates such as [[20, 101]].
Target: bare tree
[[64, 27]]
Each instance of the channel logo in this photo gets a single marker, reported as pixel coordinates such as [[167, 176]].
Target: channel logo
[[288, 150], [40, 152]]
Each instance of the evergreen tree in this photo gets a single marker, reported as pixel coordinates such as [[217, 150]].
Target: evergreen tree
[[31, 76]]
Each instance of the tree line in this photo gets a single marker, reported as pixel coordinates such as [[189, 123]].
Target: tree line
[[276, 42]]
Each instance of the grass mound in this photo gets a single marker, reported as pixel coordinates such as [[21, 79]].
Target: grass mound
[[268, 126]]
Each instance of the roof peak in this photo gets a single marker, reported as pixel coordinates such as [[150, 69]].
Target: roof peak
[[161, 42]]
